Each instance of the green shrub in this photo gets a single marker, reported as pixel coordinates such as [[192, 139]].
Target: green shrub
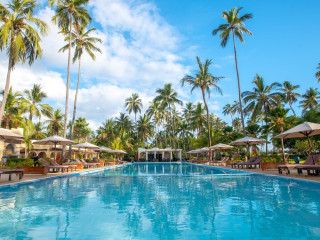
[[272, 159], [19, 162]]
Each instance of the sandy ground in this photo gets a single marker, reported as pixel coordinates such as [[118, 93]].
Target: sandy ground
[[30, 177]]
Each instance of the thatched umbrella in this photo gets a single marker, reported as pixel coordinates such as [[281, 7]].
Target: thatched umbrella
[[247, 141], [6, 134], [86, 145]]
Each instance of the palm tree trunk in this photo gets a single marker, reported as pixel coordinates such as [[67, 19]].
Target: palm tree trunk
[[67, 91], [6, 89], [265, 120], [239, 88], [208, 117], [68, 80], [75, 107], [156, 134]]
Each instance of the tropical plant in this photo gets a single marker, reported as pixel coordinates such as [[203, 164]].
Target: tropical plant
[[228, 110], [124, 123], [310, 99], [69, 12], [261, 99], [235, 25], [83, 42], [289, 94], [145, 128], [156, 112], [19, 37], [198, 119], [184, 132], [168, 97], [39, 131], [82, 131], [55, 122], [32, 102], [205, 81]]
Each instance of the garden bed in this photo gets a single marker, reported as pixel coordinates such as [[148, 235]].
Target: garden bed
[[35, 170]]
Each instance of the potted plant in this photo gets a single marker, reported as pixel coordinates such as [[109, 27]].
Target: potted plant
[[28, 165], [271, 162]]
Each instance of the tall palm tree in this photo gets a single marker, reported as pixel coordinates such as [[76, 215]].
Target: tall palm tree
[[134, 104], [18, 37], [32, 102], [235, 24], [39, 131], [83, 42], [184, 131], [310, 99], [318, 73], [228, 110], [107, 131], [290, 96], [124, 123], [261, 99], [144, 127], [205, 81], [168, 97], [67, 13], [55, 122]]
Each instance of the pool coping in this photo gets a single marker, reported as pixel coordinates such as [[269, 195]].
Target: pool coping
[[16, 184]]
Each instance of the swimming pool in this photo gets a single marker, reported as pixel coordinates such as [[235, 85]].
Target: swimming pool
[[161, 201]]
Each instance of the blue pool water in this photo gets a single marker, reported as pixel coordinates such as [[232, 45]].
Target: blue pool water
[[161, 201]]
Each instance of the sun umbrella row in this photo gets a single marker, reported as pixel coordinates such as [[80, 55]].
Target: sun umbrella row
[[57, 140]]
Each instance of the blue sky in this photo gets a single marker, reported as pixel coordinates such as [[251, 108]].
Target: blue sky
[[150, 43]]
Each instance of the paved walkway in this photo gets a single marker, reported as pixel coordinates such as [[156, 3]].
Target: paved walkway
[[28, 177], [293, 173]]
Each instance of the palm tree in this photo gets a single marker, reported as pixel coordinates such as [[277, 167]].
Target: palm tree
[[124, 123], [155, 111], [18, 37], [83, 42], [261, 99], [144, 127], [198, 118], [235, 24], [12, 114], [289, 95], [278, 122], [168, 97], [184, 132], [55, 122], [67, 13], [228, 110], [205, 81], [107, 131], [310, 99], [33, 104], [39, 129], [318, 73]]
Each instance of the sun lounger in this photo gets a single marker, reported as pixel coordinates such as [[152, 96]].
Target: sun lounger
[[222, 162], [71, 167], [53, 168], [310, 161], [19, 172], [311, 166], [256, 163], [89, 164], [237, 165]]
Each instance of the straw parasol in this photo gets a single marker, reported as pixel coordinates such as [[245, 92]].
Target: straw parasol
[[6, 134], [305, 129], [54, 140], [247, 141], [221, 146], [86, 145]]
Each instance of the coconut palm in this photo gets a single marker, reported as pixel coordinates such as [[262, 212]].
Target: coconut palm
[[290, 96], [55, 122], [261, 99], [67, 13], [310, 99], [168, 97], [278, 122], [318, 73], [107, 132], [155, 111], [18, 37], [184, 131], [12, 114], [134, 104], [198, 118], [205, 81], [235, 25], [228, 110], [145, 128], [123, 123], [39, 131], [32, 102], [83, 43]]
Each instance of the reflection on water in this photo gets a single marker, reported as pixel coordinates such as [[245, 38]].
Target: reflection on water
[[160, 202]]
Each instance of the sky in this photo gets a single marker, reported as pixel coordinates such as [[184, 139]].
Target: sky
[[149, 43]]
